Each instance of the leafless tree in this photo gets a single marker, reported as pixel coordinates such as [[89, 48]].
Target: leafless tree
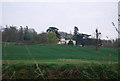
[[97, 39]]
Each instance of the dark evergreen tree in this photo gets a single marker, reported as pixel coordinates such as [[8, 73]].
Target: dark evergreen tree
[[21, 33], [80, 38], [26, 34], [75, 37], [70, 43], [54, 29]]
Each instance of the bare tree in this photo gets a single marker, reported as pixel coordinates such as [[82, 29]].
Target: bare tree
[[97, 39], [115, 28]]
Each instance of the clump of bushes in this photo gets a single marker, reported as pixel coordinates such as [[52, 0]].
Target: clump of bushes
[[70, 43], [68, 71]]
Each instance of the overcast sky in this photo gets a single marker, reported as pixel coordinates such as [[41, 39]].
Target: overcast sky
[[87, 16]]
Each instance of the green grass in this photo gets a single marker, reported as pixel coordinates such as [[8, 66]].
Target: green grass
[[19, 62], [54, 52]]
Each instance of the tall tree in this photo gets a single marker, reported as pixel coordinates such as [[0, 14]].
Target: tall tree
[[76, 31], [80, 38], [98, 41], [54, 29], [43, 38], [116, 28], [10, 34], [33, 36], [75, 37], [26, 34], [21, 33], [52, 39]]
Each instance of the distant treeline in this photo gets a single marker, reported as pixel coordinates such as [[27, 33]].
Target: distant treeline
[[23, 35], [29, 35]]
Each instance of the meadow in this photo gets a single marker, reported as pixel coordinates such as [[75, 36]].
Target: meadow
[[58, 62], [54, 52]]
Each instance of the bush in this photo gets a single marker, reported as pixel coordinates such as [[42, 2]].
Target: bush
[[68, 71], [70, 43]]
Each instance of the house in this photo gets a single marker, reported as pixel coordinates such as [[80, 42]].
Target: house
[[63, 41]]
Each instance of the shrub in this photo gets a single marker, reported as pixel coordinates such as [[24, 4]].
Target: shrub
[[70, 43]]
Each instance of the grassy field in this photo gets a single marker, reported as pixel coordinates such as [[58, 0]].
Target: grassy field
[[20, 62], [52, 53]]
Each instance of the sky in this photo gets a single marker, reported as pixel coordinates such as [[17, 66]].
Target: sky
[[87, 16]]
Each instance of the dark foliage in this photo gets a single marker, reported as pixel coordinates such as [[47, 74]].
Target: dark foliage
[[49, 71], [70, 43], [54, 29]]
